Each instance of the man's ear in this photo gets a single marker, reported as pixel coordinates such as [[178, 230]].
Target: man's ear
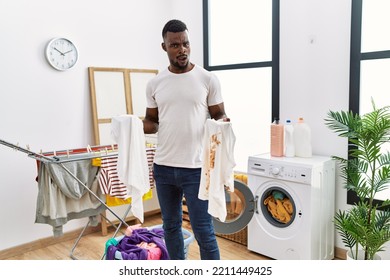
[[163, 46]]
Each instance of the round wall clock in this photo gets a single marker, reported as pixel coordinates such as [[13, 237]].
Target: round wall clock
[[61, 54]]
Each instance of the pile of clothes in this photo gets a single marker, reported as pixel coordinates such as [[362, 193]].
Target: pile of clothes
[[279, 206], [138, 243]]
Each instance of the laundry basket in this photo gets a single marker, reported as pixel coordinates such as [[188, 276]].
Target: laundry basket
[[187, 235]]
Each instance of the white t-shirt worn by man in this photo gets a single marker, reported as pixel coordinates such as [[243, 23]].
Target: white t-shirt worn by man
[[182, 101]]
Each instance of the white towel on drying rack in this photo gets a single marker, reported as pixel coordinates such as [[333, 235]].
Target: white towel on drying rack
[[127, 132]]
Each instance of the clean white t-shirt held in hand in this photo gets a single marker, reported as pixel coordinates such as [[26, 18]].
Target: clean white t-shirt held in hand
[[133, 171]]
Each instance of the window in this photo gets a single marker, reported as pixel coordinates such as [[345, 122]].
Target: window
[[241, 45], [370, 61]]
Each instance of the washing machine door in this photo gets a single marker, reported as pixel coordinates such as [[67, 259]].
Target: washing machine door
[[240, 207]]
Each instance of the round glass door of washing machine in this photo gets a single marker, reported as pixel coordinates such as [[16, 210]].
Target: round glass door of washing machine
[[277, 206], [240, 209]]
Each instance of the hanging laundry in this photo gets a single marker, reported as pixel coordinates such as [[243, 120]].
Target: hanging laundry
[[108, 178], [61, 198]]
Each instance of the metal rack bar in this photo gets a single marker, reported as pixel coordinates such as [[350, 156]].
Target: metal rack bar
[[63, 156], [18, 148]]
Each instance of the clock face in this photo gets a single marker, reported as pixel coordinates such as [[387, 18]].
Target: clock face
[[61, 53]]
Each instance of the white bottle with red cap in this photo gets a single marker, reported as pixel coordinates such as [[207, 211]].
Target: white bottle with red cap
[[302, 139]]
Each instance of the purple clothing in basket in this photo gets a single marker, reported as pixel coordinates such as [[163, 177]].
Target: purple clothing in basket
[[129, 249]]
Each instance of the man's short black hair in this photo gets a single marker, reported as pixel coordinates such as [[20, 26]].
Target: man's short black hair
[[174, 25]]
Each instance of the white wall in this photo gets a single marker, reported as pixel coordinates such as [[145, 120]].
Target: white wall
[[49, 110], [314, 73]]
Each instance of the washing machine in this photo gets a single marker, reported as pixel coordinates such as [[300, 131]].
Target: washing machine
[[293, 207], [305, 187]]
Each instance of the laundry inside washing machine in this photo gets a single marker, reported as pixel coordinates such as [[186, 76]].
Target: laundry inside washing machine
[[278, 207]]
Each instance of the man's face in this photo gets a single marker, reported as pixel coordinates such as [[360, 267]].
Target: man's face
[[177, 46]]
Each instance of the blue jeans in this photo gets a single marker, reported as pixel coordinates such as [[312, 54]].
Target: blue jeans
[[172, 183]]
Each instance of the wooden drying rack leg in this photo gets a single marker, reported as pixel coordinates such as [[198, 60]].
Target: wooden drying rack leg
[[104, 223]]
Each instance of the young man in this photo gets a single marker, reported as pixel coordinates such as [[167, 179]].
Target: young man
[[179, 100]]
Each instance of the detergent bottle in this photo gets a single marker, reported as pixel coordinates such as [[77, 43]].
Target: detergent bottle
[[289, 147], [277, 138], [302, 139]]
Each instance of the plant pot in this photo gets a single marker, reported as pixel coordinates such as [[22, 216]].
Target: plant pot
[[361, 256]]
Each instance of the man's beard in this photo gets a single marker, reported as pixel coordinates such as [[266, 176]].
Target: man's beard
[[179, 65]]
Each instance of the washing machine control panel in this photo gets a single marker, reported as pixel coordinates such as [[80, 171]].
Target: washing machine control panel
[[281, 171]]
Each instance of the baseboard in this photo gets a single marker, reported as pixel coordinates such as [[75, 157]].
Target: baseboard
[[45, 242]]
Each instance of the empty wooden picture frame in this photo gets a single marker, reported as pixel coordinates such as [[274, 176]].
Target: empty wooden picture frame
[[114, 92]]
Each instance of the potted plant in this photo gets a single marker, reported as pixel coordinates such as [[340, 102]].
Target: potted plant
[[365, 227]]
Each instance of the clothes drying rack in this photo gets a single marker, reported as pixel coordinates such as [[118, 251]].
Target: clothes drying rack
[[63, 156]]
